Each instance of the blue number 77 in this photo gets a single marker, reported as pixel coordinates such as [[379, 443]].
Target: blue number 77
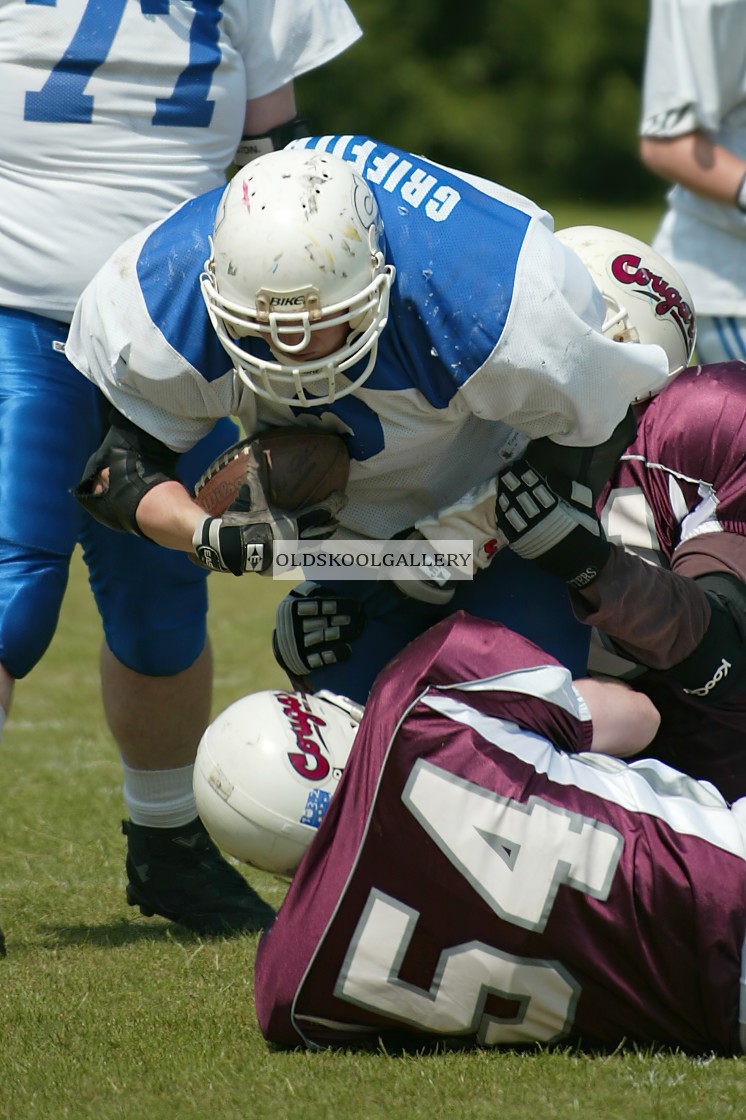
[[62, 96]]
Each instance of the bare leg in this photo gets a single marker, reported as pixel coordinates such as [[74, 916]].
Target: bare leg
[[157, 722], [6, 695]]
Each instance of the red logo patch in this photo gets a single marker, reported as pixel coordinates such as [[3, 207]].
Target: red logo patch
[[310, 760], [627, 269]]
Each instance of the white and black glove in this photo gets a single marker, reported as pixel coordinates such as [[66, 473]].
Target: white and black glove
[[242, 539], [471, 518], [539, 525], [238, 542], [430, 582], [314, 628]]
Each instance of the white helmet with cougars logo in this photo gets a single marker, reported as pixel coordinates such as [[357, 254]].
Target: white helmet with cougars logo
[[646, 299], [266, 769], [298, 248]]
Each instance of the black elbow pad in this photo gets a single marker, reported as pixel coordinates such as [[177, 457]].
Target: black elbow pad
[[137, 462], [716, 670]]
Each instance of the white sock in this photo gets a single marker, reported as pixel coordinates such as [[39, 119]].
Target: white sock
[[159, 798]]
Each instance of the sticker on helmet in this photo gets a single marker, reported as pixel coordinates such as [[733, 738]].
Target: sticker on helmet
[[316, 805]]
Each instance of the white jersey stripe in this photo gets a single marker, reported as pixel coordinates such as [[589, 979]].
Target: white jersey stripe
[[648, 786]]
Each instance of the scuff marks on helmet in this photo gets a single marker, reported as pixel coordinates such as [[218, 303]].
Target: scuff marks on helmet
[[312, 182]]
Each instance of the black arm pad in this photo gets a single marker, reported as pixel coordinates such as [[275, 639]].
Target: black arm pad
[[716, 670], [137, 462], [589, 467], [272, 141]]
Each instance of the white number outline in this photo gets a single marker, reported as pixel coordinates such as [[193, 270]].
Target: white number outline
[[545, 992], [628, 519], [466, 974]]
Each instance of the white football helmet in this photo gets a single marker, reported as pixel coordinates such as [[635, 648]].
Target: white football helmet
[[646, 299], [298, 248], [266, 769]]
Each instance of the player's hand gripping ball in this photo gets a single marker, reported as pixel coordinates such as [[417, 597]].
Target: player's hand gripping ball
[[285, 485], [303, 466]]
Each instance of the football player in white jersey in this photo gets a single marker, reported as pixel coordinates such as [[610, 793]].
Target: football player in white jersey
[[693, 133], [431, 318], [111, 116]]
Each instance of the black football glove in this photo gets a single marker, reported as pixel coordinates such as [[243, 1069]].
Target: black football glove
[[314, 628], [539, 525]]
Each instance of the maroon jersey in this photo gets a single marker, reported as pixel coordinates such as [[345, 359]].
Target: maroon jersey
[[678, 499], [470, 880]]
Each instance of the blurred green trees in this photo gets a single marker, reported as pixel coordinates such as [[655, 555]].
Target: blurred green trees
[[539, 95]]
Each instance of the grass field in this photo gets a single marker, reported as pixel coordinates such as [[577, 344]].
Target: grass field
[[105, 1014]]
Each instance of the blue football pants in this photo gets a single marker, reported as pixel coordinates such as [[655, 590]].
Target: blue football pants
[[152, 601]]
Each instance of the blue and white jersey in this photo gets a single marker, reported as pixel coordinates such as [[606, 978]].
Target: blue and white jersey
[[165, 83], [493, 339]]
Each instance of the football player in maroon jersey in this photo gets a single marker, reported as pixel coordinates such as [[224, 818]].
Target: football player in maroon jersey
[[476, 879], [663, 578], [677, 500]]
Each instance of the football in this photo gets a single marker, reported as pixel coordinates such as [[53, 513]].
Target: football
[[304, 465]]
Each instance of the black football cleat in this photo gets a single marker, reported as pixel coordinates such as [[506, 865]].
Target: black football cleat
[[179, 874], [2, 944]]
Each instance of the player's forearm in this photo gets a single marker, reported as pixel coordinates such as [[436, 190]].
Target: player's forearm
[[698, 164], [655, 616], [624, 721], [168, 516]]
